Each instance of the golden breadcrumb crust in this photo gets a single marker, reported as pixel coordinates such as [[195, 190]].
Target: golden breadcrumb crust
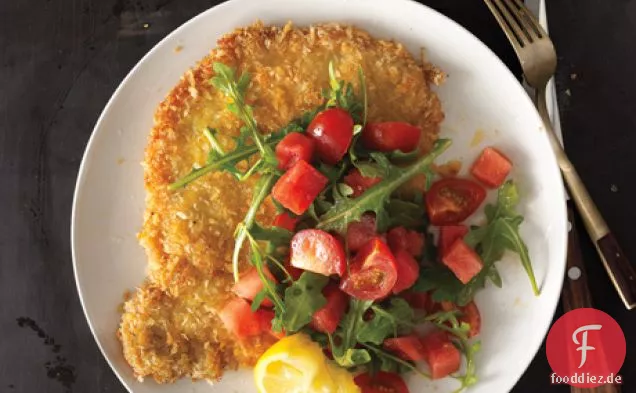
[[169, 328]]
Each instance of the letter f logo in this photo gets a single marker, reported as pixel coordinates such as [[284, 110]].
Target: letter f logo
[[584, 347]]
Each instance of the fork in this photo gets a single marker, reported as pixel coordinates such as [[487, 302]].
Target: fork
[[537, 56]]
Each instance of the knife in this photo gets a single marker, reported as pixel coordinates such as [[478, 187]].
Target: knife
[[575, 293]]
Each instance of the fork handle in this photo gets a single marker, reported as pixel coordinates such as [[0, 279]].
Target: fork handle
[[618, 267]]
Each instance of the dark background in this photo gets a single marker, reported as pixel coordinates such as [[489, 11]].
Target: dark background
[[61, 60]]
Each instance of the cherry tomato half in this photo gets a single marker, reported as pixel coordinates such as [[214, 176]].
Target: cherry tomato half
[[408, 271], [381, 382], [318, 252], [293, 148], [391, 135], [372, 272], [360, 232], [450, 201], [332, 132]]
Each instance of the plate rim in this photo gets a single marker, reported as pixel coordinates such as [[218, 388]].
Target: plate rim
[[91, 145]]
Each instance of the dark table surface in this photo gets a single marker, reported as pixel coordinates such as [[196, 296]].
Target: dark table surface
[[60, 60]]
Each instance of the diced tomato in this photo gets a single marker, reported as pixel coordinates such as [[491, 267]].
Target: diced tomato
[[264, 320], [406, 347], [448, 234], [360, 232], [359, 183], [381, 382], [249, 285], [491, 167], [238, 318], [400, 238], [326, 319], [418, 300], [285, 221], [469, 314], [293, 148], [442, 356], [318, 252], [407, 271], [450, 201], [332, 132], [391, 135], [298, 187], [463, 261], [372, 272]]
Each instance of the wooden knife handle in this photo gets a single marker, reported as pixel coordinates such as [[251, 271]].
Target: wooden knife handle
[[620, 270], [576, 293]]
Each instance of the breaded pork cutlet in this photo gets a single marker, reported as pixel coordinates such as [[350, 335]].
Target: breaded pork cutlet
[[169, 328]]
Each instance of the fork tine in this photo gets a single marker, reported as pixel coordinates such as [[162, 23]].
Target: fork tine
[[502, 15], [529, 20]]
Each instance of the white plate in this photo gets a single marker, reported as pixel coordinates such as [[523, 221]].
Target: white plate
[[480, 94]]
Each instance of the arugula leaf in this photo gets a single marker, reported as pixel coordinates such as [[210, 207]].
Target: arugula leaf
[[341, 94], [363, 88], [217, 160], [275, 235], [261, 191], [346, 210], [405, 213], [348, 357], [392, 363], [343, 349], [441, 282], [302, 299], [386, 322], [225, 80], [501, 233]]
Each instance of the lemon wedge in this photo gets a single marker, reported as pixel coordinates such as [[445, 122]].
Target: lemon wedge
[[295, 364]]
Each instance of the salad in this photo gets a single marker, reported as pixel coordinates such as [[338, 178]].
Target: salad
[[350, 276]]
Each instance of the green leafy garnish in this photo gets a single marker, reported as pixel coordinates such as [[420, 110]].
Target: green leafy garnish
[[375, 199], [225, 80], [386, 322], [344, 352], [261, 191], [448, 321], [302, 299], [392, 363], [341, 94], [501, 233], [405, 213]]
